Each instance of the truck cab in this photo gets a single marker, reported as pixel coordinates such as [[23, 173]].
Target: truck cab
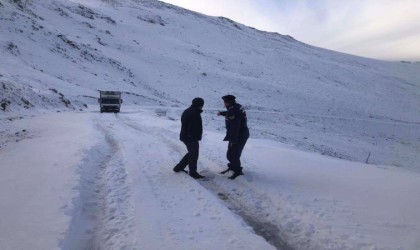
[[110, 101]]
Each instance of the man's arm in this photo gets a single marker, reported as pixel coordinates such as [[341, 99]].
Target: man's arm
[[222, 113]]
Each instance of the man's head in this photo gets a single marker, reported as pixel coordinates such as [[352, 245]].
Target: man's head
[[198, 102], [229, 100]]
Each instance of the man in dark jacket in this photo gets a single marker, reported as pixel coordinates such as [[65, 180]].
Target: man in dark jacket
[[237, 133], [191, 132]]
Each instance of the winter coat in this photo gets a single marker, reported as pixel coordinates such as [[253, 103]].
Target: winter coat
[[236, 124], [191, 125]]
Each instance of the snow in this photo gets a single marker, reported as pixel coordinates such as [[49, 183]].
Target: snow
[[91, 180], [158, 54], [72, 178], [37, 180]]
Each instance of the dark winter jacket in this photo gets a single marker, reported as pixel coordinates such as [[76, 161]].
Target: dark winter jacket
[[236, 123], [191, 125]]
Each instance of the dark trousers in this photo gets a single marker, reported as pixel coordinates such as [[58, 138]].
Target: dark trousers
[[234, 153], [190, 158]]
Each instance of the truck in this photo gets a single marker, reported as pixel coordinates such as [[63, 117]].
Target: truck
[[110, 101]]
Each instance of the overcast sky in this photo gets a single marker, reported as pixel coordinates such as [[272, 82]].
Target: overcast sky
[[382, 29]]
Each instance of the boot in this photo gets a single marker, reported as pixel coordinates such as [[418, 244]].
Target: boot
[[225, 171], [196, 175], [236, 174], [176, 169]]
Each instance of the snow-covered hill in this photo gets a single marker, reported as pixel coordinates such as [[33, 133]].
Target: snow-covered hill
[[58, 54], [79, 179]]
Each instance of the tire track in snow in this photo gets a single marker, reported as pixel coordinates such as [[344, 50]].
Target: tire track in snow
[[102, 213], [249, 214], [154, 175]]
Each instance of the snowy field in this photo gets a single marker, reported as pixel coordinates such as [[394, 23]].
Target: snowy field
[[86, 180], [332, 162]]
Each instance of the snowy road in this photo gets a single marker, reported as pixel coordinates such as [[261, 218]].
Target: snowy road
[[136, 201], [105, 181]]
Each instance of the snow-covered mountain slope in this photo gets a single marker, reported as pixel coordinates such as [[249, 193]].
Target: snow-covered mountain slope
[[58, 54], [85, 180]]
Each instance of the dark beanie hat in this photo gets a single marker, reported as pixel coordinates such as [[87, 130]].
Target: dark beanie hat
[[229, 98], [198, 102]]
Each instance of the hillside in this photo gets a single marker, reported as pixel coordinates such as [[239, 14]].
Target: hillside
[[58, 54], [74, 178]]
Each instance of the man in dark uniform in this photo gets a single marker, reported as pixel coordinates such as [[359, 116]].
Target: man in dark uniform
[[237, 133], [191, 132]]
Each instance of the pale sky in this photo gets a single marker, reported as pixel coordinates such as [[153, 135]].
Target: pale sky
[[381, 29]]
